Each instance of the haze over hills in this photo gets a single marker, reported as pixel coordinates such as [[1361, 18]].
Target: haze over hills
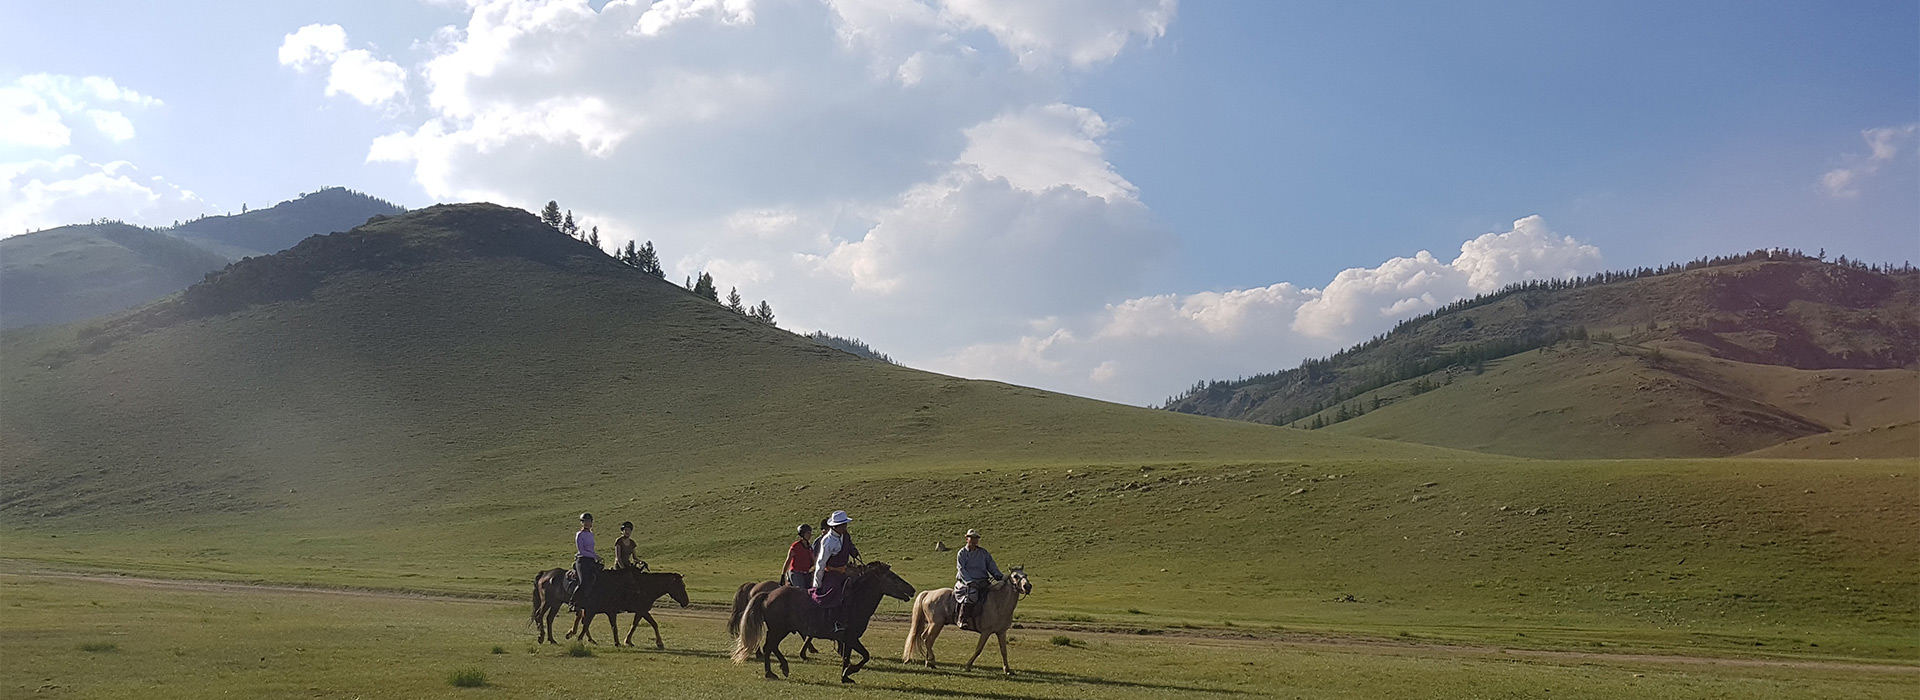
[[85, 270], [425, 401], [1718, 358]]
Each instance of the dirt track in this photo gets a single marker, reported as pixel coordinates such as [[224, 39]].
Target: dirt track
[[1185, 636]]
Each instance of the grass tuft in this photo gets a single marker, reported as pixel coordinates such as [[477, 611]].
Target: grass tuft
[[579, 650], [99, 647], [468, 678], [499, 650], [1061, 640]]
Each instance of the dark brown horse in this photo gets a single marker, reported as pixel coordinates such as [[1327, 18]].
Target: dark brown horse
[[631, 591], [746, 593], [549, 593], [614, 591], [773, 615]]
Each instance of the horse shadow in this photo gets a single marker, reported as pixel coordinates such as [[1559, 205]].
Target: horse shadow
[[1041, 677]]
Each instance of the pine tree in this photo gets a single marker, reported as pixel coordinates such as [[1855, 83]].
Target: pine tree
[[628, 255], [704, 288], [593, 237], [567, 226], [648, 260], [733, 301], [763, 313], [551, 214]]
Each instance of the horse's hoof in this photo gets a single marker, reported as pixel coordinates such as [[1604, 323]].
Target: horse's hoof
[[844, 679], [772, 677]]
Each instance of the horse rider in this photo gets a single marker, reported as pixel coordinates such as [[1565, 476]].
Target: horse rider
[[831, 558], [586, 564], [624, 547], [800, 556], [975, 572]]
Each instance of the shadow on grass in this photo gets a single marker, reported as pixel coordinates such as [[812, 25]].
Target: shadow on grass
[[1044, 677]]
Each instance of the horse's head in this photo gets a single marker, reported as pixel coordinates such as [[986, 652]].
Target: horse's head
[[677, 587], [1018, 579], [882, 576]]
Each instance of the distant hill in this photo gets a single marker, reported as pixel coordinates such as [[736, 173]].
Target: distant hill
[[1758, 315], [75, 272], [277, 228]]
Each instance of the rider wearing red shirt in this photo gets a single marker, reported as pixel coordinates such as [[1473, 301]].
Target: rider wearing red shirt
[[800, 555]]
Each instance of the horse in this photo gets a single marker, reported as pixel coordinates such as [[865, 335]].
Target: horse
[[937, 608], [740, 599], [627, 590], [773, 615], [549, 593]]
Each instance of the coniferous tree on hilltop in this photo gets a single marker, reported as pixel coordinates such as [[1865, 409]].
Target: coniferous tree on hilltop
[[703, 287], [763, 313], [733, 301], [551, 215], [647, 260]]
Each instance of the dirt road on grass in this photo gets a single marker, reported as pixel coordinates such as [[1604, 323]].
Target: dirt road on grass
[[1192, 636]]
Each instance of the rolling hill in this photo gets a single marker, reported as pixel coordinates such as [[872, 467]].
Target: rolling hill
[[75, 272], [425, 401], [1705, 360]]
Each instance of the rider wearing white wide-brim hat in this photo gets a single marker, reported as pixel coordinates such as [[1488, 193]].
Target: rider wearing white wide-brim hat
[[974, 572], [834, 553]]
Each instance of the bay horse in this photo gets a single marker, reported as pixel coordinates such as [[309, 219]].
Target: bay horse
[[937, 608], [630, 591], [744, 595], [773, 615], [549, 593]]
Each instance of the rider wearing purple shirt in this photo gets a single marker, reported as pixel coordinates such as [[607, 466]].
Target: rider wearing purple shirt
[[586, 563]]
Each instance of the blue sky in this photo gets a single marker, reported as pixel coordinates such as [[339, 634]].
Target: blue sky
[[1109, 197]]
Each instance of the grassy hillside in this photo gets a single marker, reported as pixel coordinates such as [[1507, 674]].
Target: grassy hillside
[[76, 272], [1765, 309], [279, 227], [426, 401], [1872, 442], [1578, 400]]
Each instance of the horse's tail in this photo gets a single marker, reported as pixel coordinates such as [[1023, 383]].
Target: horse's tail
[[752, 628], [740, 600], [916, 628], [537, 590]]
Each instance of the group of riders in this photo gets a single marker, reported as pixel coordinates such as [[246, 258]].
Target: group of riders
[[818, 565]]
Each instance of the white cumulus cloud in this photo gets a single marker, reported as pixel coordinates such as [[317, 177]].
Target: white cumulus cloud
[[1883, 145], [33, 109], [1146, 348], [355, 73], [40, 194]]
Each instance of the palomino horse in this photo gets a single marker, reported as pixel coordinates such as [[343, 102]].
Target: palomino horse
[[630, 591], [773, 615], [935, 609], [740, 599]]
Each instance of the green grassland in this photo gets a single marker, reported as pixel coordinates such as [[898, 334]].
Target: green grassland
[[428, 420], [69, 638]]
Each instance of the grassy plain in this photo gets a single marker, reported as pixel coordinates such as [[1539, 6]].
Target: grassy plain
[[69, 638]]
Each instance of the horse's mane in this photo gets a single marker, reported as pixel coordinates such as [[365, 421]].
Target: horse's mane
[[859, 571]]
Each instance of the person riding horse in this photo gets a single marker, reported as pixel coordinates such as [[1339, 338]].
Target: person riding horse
[[623, 549], [975, 572], [800, 558], [831, 558], [586, 563]]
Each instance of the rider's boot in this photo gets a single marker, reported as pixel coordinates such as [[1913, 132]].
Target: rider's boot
[[966, 616]]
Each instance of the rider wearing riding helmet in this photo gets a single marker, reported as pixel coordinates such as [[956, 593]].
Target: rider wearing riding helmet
[[586, 564], [800, 558]]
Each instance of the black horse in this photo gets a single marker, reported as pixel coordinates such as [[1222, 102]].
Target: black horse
[[773, 615]]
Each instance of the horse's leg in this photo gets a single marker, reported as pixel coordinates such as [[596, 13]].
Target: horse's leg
[[846, 660], [1004, 666], [613, 627], [977, 648], [864, 658], [632, 627], [932, 635], [807, 647], [772, 650], [658, 643], [575, 629]]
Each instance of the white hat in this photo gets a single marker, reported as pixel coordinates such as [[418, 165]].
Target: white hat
[[839, 517], [972, 532]]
